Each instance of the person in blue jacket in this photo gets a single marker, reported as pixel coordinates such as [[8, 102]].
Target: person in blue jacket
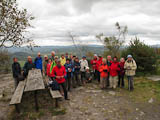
[[69, 68], [38, 61]]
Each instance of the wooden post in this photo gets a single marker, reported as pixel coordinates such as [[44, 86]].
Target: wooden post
[[17, 108], [36, 101]]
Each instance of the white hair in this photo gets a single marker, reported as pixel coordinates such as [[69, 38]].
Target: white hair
[[53, 52]]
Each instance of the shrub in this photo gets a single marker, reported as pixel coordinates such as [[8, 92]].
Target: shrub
[[143, 54]]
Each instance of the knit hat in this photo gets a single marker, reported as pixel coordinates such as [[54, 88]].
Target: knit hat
[[129, 56]]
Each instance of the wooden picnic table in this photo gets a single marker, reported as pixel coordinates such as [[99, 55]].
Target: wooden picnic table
[[33, 83]]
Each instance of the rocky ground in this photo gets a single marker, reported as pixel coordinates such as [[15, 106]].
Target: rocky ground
[[90, 103]]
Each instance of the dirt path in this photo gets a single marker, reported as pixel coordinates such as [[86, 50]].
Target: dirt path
[[91, 103]]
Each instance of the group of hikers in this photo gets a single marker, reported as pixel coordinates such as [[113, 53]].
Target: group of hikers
[[70, 72]]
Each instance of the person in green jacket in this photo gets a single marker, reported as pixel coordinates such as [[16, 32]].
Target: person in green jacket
[[54, 63]]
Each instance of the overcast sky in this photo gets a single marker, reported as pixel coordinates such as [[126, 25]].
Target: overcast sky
[[86, 18]]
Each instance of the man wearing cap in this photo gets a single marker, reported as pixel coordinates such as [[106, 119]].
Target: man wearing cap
[[45, 62], [29, 65], [83, 63], [94, 66], [130, 67], [38, 61], [59, 72]]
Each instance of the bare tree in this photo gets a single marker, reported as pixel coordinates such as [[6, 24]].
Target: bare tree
[[79, 45], [113, 43], [13, 24]]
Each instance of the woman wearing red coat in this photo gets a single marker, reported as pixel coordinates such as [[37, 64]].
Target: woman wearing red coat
[[104, 73], [114, 69], [99, 63], [94, 66], [59, 73]]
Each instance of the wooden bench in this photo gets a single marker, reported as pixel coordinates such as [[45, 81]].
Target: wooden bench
[[17, 96], [55, 94]]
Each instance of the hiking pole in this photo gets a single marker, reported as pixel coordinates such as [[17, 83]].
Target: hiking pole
[[129, 84]]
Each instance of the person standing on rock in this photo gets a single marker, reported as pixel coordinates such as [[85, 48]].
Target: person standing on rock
[[16, 69], [59, 72], [109, 62], [121, 73], [130, 67], [38, 61], [84, 63], [104, 69], [114, 69]]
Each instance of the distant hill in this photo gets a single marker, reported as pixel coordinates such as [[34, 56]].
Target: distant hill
[[58, 49]]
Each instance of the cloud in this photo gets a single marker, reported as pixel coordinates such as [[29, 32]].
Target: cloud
[[86, 18]]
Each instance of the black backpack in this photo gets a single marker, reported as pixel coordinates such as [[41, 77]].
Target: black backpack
[[54, 85]]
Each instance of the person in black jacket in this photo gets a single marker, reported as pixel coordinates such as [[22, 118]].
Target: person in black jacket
[[29, 65], [16, 69]]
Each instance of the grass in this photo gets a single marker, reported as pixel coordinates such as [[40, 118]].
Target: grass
[[144, 90]]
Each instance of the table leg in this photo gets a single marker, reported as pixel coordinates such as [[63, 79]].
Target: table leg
[[56, 103], [36, 101], [17, 108]]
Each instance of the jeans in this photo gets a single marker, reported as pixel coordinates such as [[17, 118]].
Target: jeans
[[130, 82], [121, 80], [64, 90]]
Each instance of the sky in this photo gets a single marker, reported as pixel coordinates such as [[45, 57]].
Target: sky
[[55, 19]]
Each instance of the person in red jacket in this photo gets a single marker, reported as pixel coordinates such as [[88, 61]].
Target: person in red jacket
[[121, 73], [99, 63], [103, 73], [48, 67], [59, 73], [94, 66], [114, 69]]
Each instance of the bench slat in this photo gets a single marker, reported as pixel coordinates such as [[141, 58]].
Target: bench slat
[[17, 96], [55, 94]]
